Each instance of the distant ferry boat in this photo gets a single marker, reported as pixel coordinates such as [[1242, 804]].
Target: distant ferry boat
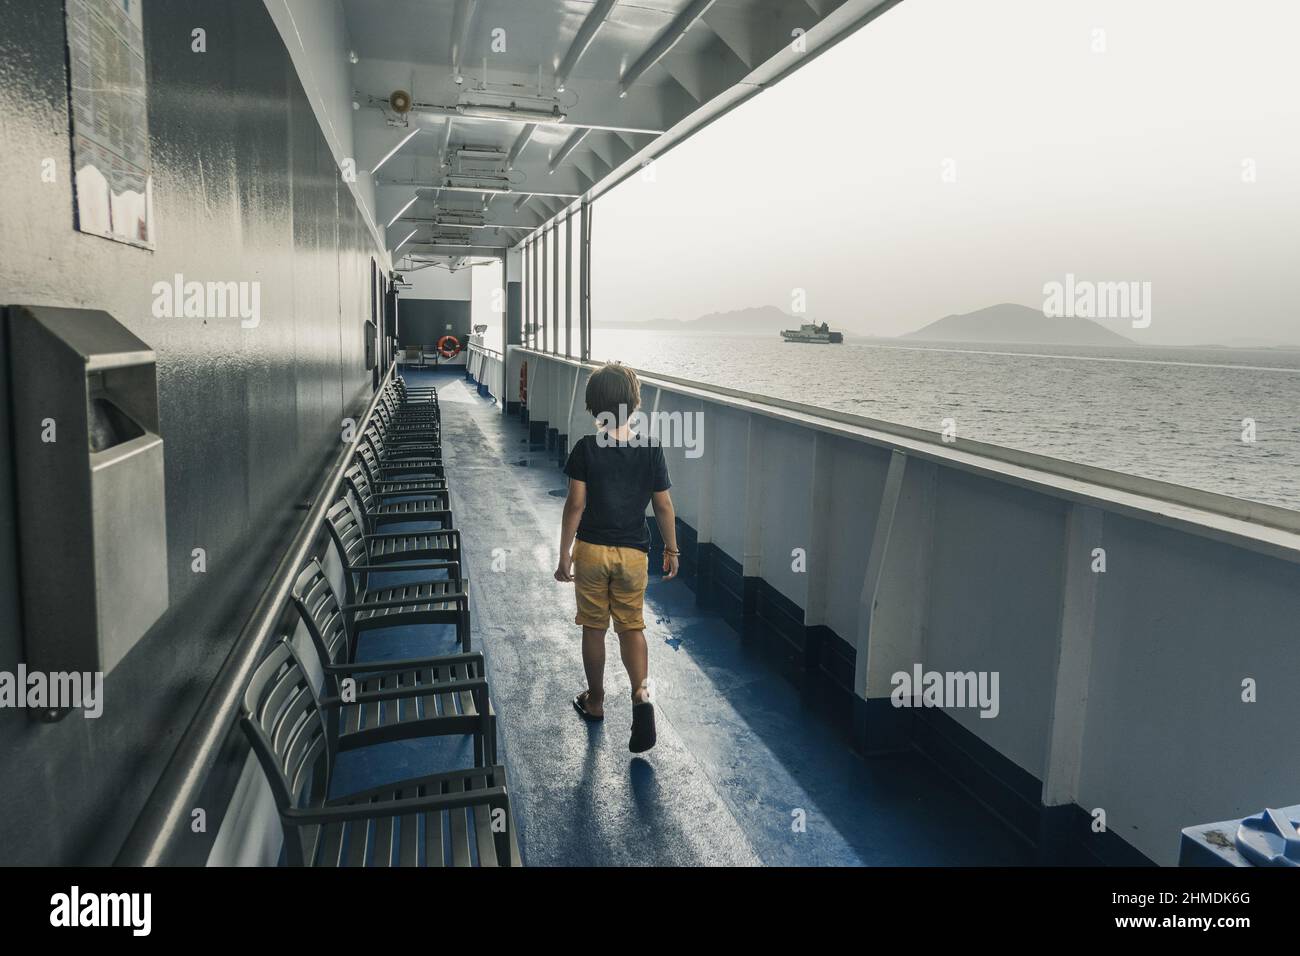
[[814, 333]]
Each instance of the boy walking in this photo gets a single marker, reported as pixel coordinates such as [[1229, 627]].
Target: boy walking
[[613, 475]]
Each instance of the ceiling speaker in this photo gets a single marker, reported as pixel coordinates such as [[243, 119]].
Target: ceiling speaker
[[400, 101]]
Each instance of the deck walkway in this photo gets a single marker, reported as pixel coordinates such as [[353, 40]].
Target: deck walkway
[[740, 756]]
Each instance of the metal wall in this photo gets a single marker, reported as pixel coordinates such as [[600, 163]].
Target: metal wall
[[425, 321], [245, 189], [1137, 697]]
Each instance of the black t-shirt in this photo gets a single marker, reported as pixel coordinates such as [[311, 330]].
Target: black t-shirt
[[620, 480]]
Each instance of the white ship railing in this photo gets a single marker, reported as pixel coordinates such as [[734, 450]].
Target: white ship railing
[[487, 367]]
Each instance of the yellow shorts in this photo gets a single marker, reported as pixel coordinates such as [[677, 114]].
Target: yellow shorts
[[609, 582]]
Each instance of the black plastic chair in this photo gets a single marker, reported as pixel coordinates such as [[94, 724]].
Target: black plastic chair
[[414, 412], [389, 449], [378, 510], [405, 429], [412, 482], [448, 693], [443, 601], [396, 469], [360, 549], [396, 466], [457, 818], [346, 527], [415, 394]]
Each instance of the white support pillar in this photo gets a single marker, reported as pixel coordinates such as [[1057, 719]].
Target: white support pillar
[[573, 404], [1083, 536], [708, 468], [568, 286], [543, 316], [555, 288], [894, 598], [819, 531], [875, 567], [530, 321], [584, 283], [539, 389], [513, 320], [753, 558]]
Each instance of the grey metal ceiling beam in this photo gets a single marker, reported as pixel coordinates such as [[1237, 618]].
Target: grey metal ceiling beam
[[664, 43], [848, 17], [461, 23], [444, 141], [520, 142], [681, 83], [582, 175], [609, 151], [590, 165], [704, 77], [591, 25], [545, 206], [739, 37], [568, 147]]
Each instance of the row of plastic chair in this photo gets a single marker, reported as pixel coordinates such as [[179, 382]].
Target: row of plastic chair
[[299, 717]]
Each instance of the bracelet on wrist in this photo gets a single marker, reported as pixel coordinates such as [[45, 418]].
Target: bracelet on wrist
[[671, 551]]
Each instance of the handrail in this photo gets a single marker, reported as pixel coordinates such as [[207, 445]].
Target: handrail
[[1044, 470], [490, 371], [165, 818]]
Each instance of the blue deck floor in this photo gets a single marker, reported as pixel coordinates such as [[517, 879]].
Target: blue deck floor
[[741, 756]]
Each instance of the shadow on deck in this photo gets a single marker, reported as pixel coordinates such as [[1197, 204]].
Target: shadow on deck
[[743, 758]]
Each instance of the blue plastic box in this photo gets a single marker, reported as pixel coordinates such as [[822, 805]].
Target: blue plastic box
[[1269, 838]]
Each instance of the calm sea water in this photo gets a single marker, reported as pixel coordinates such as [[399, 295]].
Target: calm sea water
[[1171, 414]]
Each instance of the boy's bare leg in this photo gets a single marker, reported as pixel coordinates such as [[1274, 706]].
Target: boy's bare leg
[[637, 661], [593, 662]]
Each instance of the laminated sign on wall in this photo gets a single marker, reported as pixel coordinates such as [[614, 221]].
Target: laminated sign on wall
[[112, 176]]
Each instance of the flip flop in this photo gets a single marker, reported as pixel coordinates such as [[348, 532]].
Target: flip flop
[[643, 727], [579, 704]]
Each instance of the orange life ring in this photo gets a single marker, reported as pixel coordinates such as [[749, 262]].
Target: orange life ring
[[523, 382], [446, 352]]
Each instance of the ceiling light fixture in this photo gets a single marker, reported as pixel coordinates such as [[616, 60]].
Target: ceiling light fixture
[[509, 104], [486, 184], [481, 154]]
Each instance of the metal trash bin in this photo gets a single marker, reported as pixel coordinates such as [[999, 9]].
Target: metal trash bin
[[90, 487]]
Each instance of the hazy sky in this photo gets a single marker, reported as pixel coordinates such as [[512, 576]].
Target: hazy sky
[[1123, 165]]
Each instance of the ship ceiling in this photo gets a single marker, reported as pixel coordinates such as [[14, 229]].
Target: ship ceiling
[[557, 100]]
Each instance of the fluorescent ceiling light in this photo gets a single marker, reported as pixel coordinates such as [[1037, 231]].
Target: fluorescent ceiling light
[[523, 114], [406, 139], [403, 209], [405, 241], [481, 155], [484, 184]]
